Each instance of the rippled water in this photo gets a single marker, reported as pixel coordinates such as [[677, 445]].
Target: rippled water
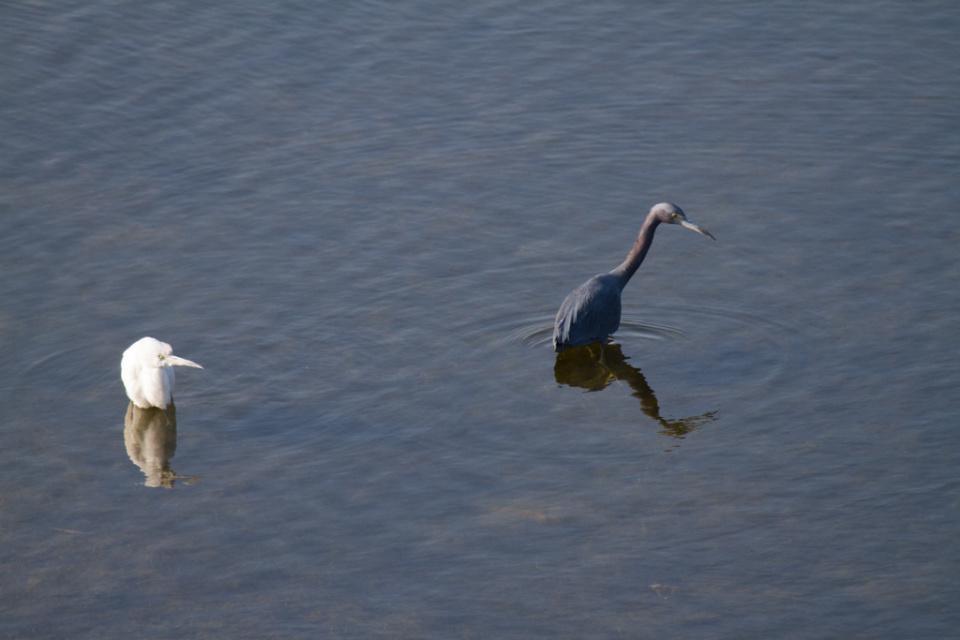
[[361, 219]]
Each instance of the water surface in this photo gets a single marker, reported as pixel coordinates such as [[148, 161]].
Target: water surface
[[360, 219]]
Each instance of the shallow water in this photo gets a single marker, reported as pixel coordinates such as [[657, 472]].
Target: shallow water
[[361, 220]]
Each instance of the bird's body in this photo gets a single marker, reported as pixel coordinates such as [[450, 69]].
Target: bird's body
[[147, 372], [591, 312]]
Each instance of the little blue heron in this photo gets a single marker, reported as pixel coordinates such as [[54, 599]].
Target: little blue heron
[[591, 312], [147, 372]]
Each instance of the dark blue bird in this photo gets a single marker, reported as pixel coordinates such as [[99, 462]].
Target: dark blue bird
[[591, 312]]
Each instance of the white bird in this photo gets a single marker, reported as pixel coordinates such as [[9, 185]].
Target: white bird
[[147, 372]]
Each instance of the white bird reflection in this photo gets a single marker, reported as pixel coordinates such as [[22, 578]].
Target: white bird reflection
[[150, 437]]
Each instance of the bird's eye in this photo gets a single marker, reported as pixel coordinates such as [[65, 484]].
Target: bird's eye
[[675, 215]]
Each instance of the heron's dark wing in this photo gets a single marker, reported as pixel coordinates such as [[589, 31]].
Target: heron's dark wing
[[591, 312]]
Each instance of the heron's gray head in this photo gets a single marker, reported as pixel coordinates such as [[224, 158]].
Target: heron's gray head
[[669, 213]]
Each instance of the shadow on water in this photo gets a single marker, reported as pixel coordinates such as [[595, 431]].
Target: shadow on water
[[593, 367], [150, 437]]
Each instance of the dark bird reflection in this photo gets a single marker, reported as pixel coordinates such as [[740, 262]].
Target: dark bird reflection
[[150, 436], [594, 366]]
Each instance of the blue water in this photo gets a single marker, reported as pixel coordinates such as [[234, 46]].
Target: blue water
[[361, 218]]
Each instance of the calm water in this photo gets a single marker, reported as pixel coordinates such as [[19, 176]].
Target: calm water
[[361, 220]]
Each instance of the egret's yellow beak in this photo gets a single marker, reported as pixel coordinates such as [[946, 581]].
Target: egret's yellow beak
[[177, 361]]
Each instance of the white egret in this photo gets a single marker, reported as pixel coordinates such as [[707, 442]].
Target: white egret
[[147, 372]]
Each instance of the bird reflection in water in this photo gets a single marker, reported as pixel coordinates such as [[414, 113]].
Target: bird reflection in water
[[594, 366], [150, 437]]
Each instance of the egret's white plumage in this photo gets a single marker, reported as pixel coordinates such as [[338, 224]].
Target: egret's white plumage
[[147, 372]]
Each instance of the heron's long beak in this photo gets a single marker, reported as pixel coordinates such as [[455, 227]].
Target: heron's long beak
[[689, 225], [181, 362]]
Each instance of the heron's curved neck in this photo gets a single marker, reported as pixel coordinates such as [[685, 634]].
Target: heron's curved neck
[[638, 252]]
